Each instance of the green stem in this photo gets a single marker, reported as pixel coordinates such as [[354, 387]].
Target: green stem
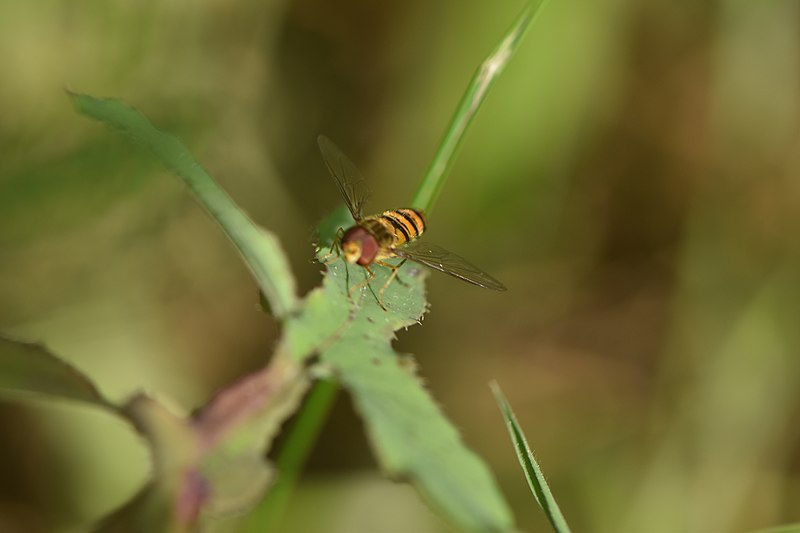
[[293, 456], [433, 181]]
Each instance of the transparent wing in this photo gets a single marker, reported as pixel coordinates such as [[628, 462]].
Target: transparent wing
[[347, 177], [440, 259]]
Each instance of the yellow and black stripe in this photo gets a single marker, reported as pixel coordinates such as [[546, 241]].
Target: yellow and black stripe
[[404, 224]]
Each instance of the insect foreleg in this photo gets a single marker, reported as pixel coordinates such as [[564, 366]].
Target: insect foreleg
[[335, 247]]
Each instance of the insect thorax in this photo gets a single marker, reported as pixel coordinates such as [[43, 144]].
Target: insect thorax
[[378, 228]]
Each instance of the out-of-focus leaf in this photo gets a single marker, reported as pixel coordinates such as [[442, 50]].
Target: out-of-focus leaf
[[259, 248], [292, 456], [536, 480], [172, 499], [237, 428], [212, 463], [207, 464], [27, 368]]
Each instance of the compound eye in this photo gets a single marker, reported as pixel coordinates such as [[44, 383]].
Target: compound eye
[[369, 249]]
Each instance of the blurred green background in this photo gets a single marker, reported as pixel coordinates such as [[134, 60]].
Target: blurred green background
[[632, 178]]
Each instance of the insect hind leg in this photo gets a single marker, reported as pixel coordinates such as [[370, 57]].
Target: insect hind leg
[[397, 276]]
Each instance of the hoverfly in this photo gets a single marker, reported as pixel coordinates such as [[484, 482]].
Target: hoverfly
[[391, 234]]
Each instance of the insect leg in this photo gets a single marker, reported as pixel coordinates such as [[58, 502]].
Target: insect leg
[[370, 275], [391, 277], [369, 286], [335, 246], [400, 281], [362, 284]]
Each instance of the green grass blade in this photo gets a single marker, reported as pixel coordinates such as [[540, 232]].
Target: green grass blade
[[536, 481], [487, 73], [259, 248]]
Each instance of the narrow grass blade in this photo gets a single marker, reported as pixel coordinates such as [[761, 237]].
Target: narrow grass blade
[[432, 183], [259, 248], [534, 474]]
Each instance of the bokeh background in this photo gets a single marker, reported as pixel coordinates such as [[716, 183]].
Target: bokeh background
[[632, 178]]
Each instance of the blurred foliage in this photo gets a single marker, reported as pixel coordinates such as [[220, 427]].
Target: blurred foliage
[[631, 179]]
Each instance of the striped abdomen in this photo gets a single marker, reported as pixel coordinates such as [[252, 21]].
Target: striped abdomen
[[403, 224]]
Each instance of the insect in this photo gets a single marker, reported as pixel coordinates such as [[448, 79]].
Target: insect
[[391, 234]]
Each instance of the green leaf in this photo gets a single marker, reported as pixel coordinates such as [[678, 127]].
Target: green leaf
[[226, 440], [289, 462], [206, 464], [536, 481], [172, 498], [259, 248], [27, 368], [237, 428], [411, 437], [212, 463]]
